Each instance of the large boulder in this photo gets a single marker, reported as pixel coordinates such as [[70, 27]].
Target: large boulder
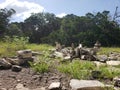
[[4, 64], [86, 85]]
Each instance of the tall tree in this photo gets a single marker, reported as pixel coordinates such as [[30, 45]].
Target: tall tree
[[5, 15]]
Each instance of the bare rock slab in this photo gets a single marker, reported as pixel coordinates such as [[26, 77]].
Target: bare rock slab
[[21, 87], [113, 63], [24, 53], [55, 86], [86, 85]]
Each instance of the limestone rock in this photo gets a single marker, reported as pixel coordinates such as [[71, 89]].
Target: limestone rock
[[3, 89], [112, 58], [86, 85], [16, 68], [58, 54], [4, 64], [116, 81], [25, 61], [97, 63], [36, 53], [42, 88], [21, 87], [113, 63], [55, 86], [102, 58], [13, 61], [24, 53]]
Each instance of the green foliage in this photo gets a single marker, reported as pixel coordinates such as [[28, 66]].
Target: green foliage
[[40, 67], [5, 14], [10, 45], [77, 69], [108, 72], [107, 50], [42, 64]]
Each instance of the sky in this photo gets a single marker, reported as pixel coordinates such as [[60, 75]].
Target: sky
[[60, 8]]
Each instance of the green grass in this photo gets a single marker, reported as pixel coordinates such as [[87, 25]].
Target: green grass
[[77, 69], [40, 67], [39, 47], [108, 72], [107, 50]]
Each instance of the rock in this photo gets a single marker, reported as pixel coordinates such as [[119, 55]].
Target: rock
[[55, 86], [113, 63], [86, 85], [42, 88], [4, 64], [58, 54], [3, 89], [36, 53], [116, 81], [102, 58], [97, 63], [21, 87], [16, 68], [24, 53], [13, 61], [67, 58], [112, 58], [25, 61]]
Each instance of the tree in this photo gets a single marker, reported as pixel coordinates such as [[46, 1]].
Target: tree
[[4, 20], [40, 25]]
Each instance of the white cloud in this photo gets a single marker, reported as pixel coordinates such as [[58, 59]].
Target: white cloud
[[23, 8], [61, 15]]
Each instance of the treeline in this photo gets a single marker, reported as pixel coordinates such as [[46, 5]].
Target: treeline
[[47, 28]]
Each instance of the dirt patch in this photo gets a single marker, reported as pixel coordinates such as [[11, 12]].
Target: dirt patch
[[30, 79]]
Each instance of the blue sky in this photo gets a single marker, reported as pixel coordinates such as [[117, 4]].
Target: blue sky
[[59, 7]]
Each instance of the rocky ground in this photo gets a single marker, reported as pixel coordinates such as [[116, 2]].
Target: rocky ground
[[30, 80]]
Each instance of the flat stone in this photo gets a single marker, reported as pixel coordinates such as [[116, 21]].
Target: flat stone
[[112, 58], [58, 54], [86, 85], [55, 86], [3, 89], [16, 68], [21, 87], [24, 53], [113, 63], [42, 88], [102, 58], [4, 64], [97, 63]]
